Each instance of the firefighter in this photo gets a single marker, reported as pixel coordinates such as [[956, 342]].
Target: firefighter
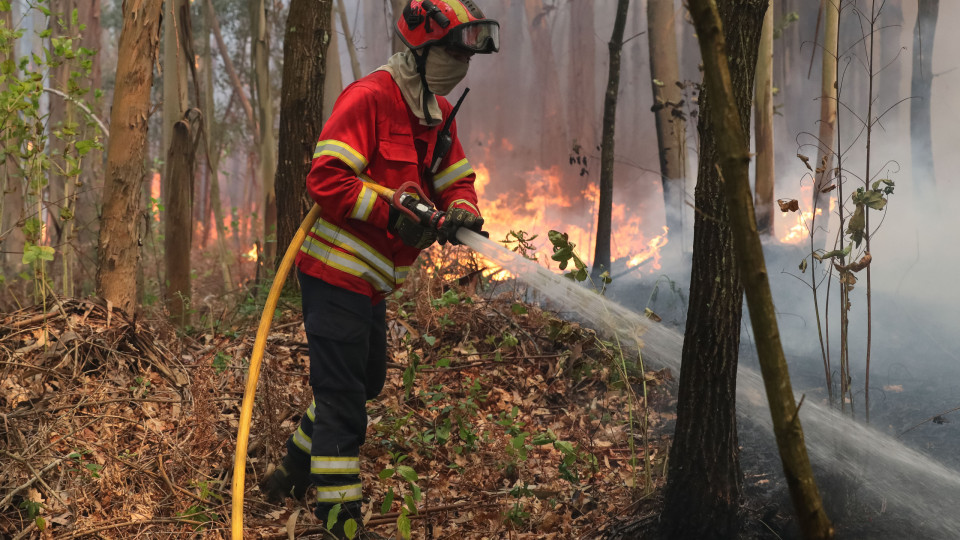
[[384, 128]]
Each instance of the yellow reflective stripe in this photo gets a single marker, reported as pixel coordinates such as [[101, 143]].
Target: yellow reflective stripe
[[335, 494], [334, 465], [312, 411], [364, 205], [343, 151], [451, 174], [462, 14], [345, 263], [402, 272], [363, 251], [466, 202], [302, 441]]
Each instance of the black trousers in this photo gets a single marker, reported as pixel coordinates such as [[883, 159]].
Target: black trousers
[[346, 336]]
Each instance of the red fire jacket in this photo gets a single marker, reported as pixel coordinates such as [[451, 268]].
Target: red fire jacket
[[373, 136]]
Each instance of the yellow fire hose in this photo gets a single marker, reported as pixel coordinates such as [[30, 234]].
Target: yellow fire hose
[[246, 409]]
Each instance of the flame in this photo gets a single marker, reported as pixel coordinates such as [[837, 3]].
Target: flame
[[155, 193], [252, 254], [797, 228], [544, 203], [653, 251]]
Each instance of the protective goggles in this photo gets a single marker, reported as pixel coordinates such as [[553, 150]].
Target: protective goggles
[[479, 37]]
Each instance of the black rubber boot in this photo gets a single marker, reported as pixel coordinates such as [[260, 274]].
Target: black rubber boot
[[285, 482]]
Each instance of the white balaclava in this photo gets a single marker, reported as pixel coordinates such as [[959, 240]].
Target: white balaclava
[[444, 72]]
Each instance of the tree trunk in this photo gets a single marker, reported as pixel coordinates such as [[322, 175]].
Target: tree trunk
[[213, 154], [763, 129], [178, 224], [921, 140], [268, 142], [705, 484], [332, 80], [119, 252], [58, 189], [601, 256], [582, 102], [553, 134], [305, 57], [12, 195], [731, 153], [232, 72], [397, 43], [670, 122], [91, 179], [175, 89], [824, 170], [348, 37]]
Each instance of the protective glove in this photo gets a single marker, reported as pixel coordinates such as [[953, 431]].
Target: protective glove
[[454, 219], [410, 232]]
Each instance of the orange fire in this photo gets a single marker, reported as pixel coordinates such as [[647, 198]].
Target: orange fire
[[545, 204], [796, 225], [252, 254]]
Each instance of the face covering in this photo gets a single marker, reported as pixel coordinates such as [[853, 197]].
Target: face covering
[[444, 72]]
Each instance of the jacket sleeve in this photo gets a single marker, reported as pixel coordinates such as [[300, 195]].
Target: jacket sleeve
[[453, 183], [347, 141]]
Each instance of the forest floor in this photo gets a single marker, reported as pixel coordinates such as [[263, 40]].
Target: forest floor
[[498, 420]]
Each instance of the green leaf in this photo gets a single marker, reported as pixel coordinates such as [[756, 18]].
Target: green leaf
[[430, 340], [403, 526], [518, 309], [565, 446], [387, 502], [443, 362], [857, 224], [332, 516], [386, 473], [408, 473], [350, 528]]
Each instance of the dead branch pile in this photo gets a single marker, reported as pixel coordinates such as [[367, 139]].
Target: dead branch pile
[[512, 421]]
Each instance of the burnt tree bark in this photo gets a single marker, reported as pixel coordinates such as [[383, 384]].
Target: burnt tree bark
[[308, 35], [921, 140], [119, 252], [733, 159], [823, 168], [705, 484], [268, 140], [601, 255]]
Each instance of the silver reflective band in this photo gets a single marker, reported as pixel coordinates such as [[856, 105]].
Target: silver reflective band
[[335, 494], [334, 465]]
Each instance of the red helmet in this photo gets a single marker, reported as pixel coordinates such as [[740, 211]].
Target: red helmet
[[456, 23]]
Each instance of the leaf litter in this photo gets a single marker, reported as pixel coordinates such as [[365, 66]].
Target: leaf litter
[[498, 419]]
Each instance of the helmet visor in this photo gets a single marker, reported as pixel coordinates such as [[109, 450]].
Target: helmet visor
[[480, 37]]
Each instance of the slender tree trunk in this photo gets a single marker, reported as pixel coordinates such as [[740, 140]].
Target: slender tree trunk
[[553, 134], [824, 170], [119, 252], [582, 102], [11, 186], [332, 80], [178, 237], [921, 139], [763, 128], [732, 155], [305, 59], [601, 256], [175, 89], [705, 484], [670, 120], [397, 43], [91, 179], [213, 155], [268, 142], [232, 73], [60, 26], [351, 46]]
